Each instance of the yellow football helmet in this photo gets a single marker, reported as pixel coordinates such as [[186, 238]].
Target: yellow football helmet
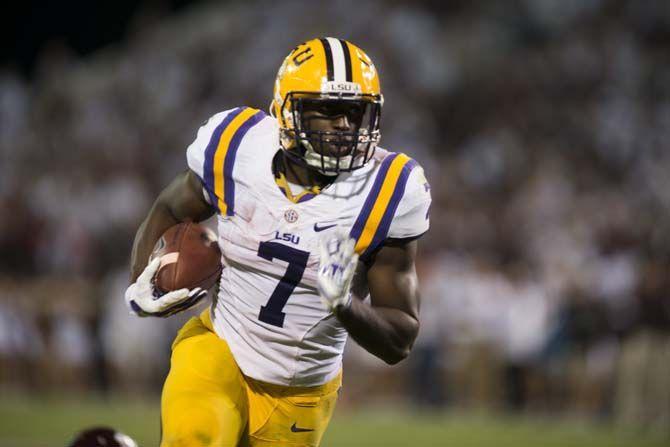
[[338, 77]]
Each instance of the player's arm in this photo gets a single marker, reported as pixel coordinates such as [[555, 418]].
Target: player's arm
[[387, 328], [181, 201], [390, 325]]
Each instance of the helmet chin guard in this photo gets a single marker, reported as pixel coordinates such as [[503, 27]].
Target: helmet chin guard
[[326, 164]]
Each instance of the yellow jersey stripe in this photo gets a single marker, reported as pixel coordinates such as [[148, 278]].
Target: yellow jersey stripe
[[220, 155], [382, 202]]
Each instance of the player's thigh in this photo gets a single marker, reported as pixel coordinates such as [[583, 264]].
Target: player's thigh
[[204, 401], [295, 421]]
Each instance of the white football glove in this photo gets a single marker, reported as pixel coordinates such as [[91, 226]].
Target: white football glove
[[337, 266], [144, 300]]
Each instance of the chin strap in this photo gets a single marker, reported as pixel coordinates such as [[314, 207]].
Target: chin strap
[[314, 160]]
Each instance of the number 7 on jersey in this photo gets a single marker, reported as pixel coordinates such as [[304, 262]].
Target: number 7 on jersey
[[272, 313]]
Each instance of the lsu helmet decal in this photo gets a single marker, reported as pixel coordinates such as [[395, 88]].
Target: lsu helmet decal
[[336, 78]]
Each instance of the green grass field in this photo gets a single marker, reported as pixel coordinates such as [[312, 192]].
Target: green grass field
[[28, 422]]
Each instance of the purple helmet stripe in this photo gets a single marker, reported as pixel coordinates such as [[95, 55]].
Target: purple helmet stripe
[[329, 58], [347, 60]]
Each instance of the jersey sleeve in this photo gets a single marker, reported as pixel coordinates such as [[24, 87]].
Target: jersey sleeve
[[212, 155], [396, 206], [412, 218], [196, 151]]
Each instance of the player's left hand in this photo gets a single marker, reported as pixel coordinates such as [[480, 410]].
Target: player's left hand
[[337, 266]]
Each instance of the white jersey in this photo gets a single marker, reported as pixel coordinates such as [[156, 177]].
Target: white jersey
[[268, 308]]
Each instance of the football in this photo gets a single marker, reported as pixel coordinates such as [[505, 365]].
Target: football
[[190, 257]]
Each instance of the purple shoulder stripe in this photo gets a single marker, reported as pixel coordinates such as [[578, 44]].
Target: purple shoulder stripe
[[210, 151], [357, 229], [229, 162], [389, 213]]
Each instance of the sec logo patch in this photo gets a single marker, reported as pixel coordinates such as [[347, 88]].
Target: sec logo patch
[[291, 215]]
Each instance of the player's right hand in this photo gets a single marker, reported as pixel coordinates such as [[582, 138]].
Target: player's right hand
[[144, 300]]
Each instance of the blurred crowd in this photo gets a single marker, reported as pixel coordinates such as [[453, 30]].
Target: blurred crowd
[[542, 126]]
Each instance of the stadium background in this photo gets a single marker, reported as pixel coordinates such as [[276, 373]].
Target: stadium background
[[543, 126]]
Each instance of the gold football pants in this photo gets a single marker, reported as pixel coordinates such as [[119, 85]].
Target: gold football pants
[[207, 401]]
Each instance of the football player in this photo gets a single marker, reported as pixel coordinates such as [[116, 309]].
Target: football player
[[312, 219]]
